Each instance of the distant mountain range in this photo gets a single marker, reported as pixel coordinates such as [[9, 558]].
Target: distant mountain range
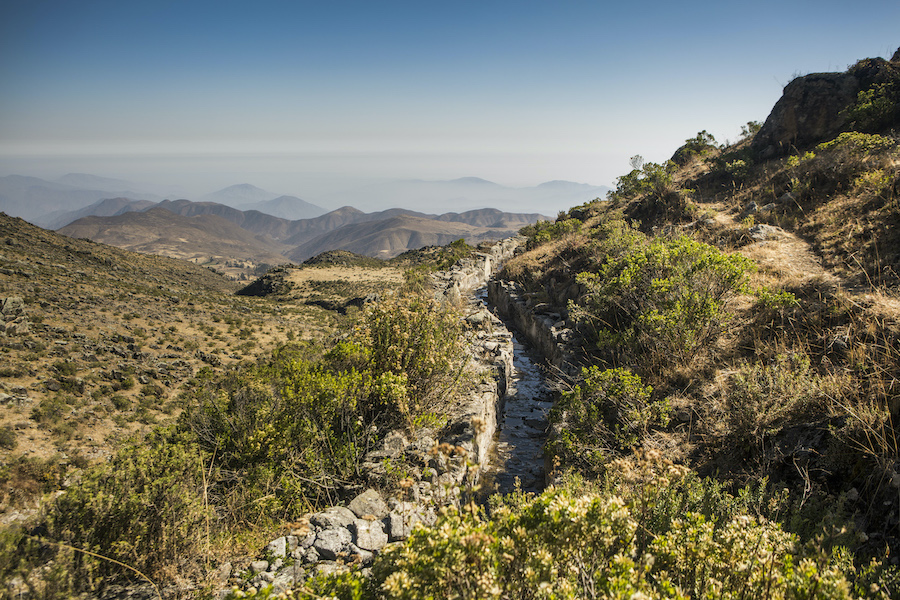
[[469, 193], [246, 223], [212, 233]]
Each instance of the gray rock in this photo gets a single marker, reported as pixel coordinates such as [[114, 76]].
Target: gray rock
[[331, 542], [221, 575], [307, 541], [750, 209], [369, 535], [364, 556], [328, 568], [262, 579], [330, 518], [402, 519], [786, 198], [311, 555], [14, 305], [394, 444], [765, 232], [284, 580], [809, 111], [277, 547], [259, 566], [369, 502]]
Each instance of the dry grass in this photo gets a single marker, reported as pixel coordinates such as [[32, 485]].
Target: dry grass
[[130, 331]]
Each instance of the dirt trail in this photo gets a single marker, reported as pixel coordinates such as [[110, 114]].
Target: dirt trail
[[781, 253]]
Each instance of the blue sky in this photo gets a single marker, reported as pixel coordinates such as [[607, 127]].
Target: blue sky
[[299, 96]]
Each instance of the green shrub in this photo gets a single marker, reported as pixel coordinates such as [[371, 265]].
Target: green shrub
[[144, 508], [762, 397], [856, 144], [296, 425], [775, 300], [738, 169], [416, 338], [698, 146], [611, 411], [647, 178], [544, 232], [565, 545], [750, 129], [660, 303], [8, 438], [876, 108]]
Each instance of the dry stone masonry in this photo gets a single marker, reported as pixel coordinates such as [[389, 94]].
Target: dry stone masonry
[[438, 470]]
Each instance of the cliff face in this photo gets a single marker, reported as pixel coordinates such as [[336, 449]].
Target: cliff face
[[813, 108]]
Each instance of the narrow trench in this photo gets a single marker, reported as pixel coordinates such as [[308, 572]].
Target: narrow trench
[[516, 458]]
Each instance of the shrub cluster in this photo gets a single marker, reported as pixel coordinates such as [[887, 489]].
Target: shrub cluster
[[611, 411], [568, 543], [296, 426], [543, 232], [657, 302], [267, 441]]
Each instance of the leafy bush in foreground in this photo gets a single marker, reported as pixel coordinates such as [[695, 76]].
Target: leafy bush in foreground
[[567, 544]]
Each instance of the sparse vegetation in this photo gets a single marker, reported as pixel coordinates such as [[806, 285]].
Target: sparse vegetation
[[733, 433]]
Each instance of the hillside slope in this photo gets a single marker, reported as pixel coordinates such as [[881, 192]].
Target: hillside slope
[[205, 238], [757, 295]]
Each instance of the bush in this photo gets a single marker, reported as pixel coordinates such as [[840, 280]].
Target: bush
[[611, 411], [566, 545], [660, 303], [144, 508], [648, 178], [761, 397], [294, 427], [858, 144], [416, 338], [8, 438], [876, 108], [289, 429], [544, 232]]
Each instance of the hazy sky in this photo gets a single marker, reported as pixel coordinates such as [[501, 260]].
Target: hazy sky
[[289, 95]]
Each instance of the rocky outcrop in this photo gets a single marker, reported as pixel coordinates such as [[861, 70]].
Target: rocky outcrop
[[272, 283], [808, 112], [12, 316], [812, 108]]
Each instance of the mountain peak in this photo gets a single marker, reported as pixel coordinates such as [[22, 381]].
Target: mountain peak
[[241, 193], [472, 181]]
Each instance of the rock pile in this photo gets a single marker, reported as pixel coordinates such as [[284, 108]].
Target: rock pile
[[12, 316], [329, 541]]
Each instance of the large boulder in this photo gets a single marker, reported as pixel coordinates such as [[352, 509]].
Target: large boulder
[[812, 108], [808, 112]]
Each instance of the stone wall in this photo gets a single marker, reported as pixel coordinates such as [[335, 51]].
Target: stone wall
[[469, 274], [542, 326], [438, 470]]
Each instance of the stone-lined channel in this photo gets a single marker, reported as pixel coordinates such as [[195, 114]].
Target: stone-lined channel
[[517, 452]]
